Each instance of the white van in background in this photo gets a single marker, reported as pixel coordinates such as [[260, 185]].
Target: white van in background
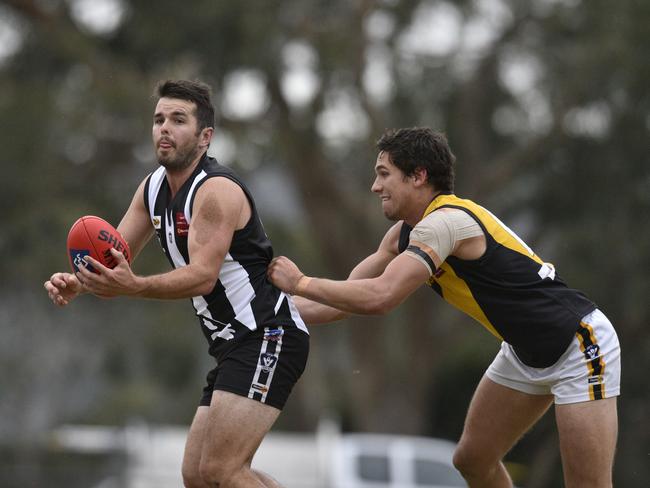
[[390, 461], [331, 459], [325, 459]]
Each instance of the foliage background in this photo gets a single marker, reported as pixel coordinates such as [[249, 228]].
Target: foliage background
[[545, 103]]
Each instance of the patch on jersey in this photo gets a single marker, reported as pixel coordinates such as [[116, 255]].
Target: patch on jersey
[[273, 335], [594, 380], [268, 362], [260, 388], [182, 227], [592, 351], [547, 271], [156, 221]]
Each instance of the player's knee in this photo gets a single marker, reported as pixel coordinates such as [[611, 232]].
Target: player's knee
[[191, 475], [218, 473], [471, 462], [212, 473], [193, 480]]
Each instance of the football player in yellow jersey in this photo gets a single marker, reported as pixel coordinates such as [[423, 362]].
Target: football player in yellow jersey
[[557, 346]]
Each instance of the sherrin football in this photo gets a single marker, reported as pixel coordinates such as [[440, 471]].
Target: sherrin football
[[93, 236]]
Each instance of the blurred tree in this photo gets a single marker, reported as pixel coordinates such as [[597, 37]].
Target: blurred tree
[[545, 103]]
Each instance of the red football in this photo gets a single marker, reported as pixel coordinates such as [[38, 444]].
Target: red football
[[93, 236]]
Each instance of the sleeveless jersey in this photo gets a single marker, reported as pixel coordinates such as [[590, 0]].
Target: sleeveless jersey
[[242, 300], [519, 298]]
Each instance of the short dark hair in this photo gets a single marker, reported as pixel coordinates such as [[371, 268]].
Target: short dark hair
[[192, 91], [421, 147]]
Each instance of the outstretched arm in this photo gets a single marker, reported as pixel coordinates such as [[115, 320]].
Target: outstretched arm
[[384, 287], [314, 313], [373, 296]]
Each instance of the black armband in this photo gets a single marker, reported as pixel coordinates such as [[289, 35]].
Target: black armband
[[423, 255]]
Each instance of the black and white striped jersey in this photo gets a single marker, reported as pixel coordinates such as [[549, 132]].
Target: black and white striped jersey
[[242, 299]]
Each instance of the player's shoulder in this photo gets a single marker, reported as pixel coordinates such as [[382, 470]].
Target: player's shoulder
[[217, 175], [445, 216], [220, 188], [443, 212], [214, 168]]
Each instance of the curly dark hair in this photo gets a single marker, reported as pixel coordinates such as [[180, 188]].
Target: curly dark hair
[[192, 91], [421, 147]]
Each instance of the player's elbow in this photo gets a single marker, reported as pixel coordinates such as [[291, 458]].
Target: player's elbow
[[204, 288], [377, 308], [382, 308], [205, 283]]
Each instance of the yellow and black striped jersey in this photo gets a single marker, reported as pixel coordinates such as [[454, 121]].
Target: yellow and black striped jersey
[[513, 293]]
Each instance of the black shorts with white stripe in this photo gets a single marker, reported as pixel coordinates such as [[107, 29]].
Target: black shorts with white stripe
[[264, 365]]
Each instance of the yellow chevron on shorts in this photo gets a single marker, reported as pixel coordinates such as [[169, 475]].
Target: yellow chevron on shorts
[[596, 366]]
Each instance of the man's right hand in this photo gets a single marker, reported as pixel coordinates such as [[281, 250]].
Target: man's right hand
[[284, 274], [62, 288]]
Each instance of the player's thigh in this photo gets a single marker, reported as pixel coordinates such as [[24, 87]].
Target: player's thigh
[[588, 432], [497, 417], [234, 428]]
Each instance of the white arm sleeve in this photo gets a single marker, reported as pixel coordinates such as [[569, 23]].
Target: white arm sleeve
[[438, 233]]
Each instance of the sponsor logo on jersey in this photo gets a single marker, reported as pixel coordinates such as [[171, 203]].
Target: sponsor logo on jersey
[[273, 335], [547, 271], [226, 333], [260, 388], [156, 222], [594, 380], [592, 351], [182, 227]]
